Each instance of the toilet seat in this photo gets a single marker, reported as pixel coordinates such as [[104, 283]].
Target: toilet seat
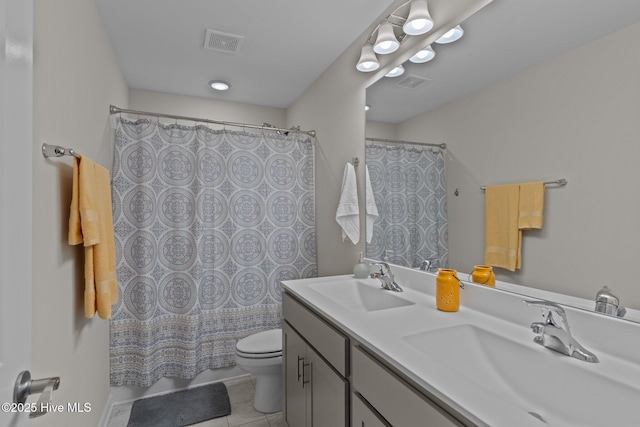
[[262, 345], [259, 355]]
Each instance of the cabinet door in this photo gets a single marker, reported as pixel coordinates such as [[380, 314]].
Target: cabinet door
[[363, 416], [295, 405], [329, 392]]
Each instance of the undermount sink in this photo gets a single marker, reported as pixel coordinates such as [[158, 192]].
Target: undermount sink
[[358, 295], [551, 387]]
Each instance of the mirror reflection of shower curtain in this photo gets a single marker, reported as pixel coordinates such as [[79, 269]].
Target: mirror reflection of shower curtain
[[207, 224], [408, 183]]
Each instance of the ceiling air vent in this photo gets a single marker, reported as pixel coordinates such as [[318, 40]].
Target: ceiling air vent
[[222, 42], [413, 82]]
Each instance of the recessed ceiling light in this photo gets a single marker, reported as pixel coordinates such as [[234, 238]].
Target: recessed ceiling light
[[219, 85]]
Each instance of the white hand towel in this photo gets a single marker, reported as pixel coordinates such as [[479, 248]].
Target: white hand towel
[[370, 206], [348, 212]]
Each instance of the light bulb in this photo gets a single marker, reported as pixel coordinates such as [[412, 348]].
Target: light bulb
[[368, 61], [451, 35], [386, 42], [419, 21], [423, 55], [397, 71]]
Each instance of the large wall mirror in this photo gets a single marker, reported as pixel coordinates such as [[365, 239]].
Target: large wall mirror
[[407, 185], [534, 91]]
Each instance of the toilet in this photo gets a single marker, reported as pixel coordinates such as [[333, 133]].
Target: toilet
[[261, 355]]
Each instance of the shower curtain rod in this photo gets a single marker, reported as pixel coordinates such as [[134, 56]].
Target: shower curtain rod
[[398, 141], [115, 110]]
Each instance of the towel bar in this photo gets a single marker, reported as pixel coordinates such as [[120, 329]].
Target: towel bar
[[57, 151], [560, 182]]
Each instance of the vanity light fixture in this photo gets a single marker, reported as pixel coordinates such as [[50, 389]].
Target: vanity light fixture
[[219, 85], [368, 60], [411, 18], [423, 55], [397, 71], [452, 35], [419, 20], [386, 42]]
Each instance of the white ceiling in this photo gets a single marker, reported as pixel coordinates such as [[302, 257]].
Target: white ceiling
[[289, 43]]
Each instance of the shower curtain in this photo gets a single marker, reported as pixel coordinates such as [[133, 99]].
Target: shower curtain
[[207, 224], [408, 184]]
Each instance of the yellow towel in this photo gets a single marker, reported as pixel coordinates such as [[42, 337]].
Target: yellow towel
[[503, 237], [531, 205], [91, 223]]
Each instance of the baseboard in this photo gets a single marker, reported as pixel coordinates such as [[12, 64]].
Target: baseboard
[[106, 412]]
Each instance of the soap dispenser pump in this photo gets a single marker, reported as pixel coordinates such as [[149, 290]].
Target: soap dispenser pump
[[361, 269]]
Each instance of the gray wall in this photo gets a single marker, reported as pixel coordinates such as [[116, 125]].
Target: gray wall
[[191, 106], [76, 77], [574, 117]]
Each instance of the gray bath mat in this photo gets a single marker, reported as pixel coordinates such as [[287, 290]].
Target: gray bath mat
[[181, 408]]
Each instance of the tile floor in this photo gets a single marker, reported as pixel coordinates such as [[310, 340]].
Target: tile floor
[[241, 392]]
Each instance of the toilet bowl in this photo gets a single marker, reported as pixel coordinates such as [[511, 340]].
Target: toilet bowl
[[261, 355]]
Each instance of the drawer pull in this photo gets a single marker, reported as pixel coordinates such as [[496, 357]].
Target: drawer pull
[[305, 380], [300, 359]]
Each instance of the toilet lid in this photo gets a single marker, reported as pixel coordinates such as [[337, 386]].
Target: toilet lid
[[262, 342]]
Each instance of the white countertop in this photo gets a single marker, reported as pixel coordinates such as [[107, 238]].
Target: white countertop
[[502, 313]]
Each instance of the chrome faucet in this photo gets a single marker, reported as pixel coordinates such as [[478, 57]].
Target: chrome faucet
[[428, 264], [554, 332], [386, 277]]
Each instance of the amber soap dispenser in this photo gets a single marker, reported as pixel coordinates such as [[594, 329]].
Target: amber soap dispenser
[[447, 290]]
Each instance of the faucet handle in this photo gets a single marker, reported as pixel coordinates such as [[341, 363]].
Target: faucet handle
[[549, 309], [426, 265]]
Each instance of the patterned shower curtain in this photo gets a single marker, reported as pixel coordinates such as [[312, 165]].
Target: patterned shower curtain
[[207, 224], [408, 184]]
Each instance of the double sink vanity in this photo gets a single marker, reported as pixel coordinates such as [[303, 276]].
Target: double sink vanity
[[361, 356]]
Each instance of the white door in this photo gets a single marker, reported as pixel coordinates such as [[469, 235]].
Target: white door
[[16, 156]]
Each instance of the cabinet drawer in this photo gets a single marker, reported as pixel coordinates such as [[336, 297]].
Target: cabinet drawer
[[328, 341], [362, 415], [395, 400]]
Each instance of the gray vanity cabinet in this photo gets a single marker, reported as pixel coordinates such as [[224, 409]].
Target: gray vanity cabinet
[[324, 369], [316, 392]]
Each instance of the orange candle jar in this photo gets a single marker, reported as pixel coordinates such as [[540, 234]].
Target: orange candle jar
[[447, 290], [483, 274]]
